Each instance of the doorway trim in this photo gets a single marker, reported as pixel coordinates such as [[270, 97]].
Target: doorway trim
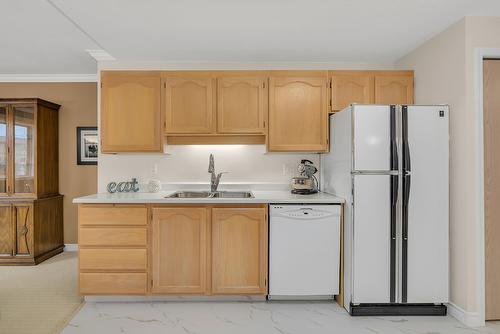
[[480, 55]]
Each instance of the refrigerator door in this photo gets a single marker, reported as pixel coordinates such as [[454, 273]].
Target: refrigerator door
[[425, 204], [371, 239], [373, 129]]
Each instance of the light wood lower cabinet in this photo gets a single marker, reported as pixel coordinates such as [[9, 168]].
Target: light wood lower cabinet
[[187, 256], [113, 259], [112, 236], [107, 283], [172, 250], [113, 252], [179, 250], [239, 251]]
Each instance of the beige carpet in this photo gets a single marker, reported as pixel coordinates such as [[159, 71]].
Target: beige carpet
[[39, 299]]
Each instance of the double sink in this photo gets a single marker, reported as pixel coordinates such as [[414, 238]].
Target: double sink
[[208, 194]]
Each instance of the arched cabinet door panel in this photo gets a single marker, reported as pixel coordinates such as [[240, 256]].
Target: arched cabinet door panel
[[241, 105], [298, 113], [130, 112], [239, 251], [393, 89], [179, 250], [350, 88], [188, 105]]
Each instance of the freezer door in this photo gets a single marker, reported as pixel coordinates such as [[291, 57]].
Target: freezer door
[[372, 137], [371, 235], [426, 203]]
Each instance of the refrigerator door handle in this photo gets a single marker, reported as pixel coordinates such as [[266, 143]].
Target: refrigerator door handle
[[393, 242], [394, 146], [407, 160], [406, 145], [404, 241], [406, 199]]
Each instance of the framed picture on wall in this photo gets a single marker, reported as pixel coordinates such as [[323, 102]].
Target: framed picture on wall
[[86, 145]]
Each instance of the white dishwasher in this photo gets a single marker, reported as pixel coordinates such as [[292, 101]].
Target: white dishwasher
[[304, 251]]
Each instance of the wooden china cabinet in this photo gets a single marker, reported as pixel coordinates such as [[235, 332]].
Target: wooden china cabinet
[[31, 208]]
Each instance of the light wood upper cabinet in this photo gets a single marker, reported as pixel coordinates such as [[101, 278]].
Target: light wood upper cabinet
[[239, 251], [130, 112], [179, 250], [188, 104], [393, 89], [241, 105], [347, 88], [298, 113]]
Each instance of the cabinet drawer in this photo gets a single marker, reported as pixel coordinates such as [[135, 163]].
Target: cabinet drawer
[[113, 259], [112, 236], [112, 215], [113, 283]]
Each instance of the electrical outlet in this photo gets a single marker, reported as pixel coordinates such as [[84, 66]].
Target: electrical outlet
[[289, 169]]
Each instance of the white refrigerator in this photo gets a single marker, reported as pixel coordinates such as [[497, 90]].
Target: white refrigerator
[[390, 163]]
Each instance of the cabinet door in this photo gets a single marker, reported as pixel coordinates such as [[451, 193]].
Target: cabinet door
[[130, 112], [351, 88], [239, 251], [298, 113], [179, 250], [241, 105], [23, 148], [188, 105], [393, 89], [6, 232], [3, 150], [23, 218]]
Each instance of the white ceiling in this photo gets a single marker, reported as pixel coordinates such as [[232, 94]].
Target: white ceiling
[[51, 36]]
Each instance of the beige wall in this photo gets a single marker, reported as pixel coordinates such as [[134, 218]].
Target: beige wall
[[439, 66], [444, 73], [78, 108]]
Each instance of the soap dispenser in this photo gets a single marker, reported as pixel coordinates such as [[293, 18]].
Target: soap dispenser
[[154, 185]]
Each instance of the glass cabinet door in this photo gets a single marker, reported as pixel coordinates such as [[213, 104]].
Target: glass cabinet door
[[3, 149], [24, 149]]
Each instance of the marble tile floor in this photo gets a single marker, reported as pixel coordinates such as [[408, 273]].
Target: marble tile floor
[[251, 318]]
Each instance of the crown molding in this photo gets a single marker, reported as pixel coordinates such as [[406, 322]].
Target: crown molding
[[193, 65], [48, 77], [100, 55]]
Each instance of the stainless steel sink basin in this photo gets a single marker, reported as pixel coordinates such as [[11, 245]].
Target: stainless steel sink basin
[[208, 194], [189, 194], [233, 194]]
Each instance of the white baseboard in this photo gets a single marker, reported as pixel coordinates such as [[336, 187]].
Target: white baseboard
[[70, 247], [469, 319]]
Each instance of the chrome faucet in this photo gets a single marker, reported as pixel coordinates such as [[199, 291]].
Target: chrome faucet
[[215, 178]]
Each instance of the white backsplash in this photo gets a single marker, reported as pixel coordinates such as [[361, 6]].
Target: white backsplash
[[189, 164]]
